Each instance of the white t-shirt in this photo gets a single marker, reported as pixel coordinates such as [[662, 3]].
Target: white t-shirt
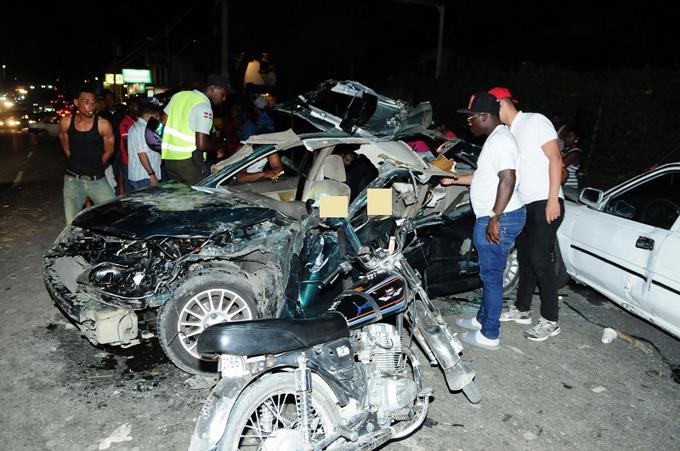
[[500, 152], [136, 145], [532, 130]]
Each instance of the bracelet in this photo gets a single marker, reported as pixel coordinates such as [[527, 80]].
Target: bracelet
[[151, 173]]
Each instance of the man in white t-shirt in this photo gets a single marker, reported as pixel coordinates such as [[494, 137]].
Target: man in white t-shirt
[[144, 164], [500, 214], [541, 193]]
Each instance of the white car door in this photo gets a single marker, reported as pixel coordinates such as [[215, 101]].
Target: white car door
[[614, 249], [664, 287]]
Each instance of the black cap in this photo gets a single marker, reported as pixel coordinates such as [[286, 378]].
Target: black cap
[[481, 102], [218, 80]]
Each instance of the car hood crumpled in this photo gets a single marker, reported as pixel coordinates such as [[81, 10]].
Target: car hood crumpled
[[172, 209]]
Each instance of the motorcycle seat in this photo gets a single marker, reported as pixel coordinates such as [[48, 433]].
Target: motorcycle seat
[[271, 336]]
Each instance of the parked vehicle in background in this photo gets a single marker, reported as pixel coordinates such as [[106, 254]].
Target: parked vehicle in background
[[46, 124], [625, 243]]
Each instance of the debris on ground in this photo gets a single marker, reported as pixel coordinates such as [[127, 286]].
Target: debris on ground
[[199, 382], [119, 435]]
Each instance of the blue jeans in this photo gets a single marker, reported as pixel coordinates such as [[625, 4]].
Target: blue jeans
[[76, 190], [139, 184], [492, 259]]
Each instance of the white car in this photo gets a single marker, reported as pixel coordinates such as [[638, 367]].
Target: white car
[[48, 125], [625, 243]]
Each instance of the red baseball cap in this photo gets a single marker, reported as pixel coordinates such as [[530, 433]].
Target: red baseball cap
[[502, 93]]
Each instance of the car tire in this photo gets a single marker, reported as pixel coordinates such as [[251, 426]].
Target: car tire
[[207, 297]]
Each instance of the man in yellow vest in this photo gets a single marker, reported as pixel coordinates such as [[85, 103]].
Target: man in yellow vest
[[188, 120]]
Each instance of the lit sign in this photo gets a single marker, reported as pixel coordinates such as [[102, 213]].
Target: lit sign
[[136, 76], [108, 78]]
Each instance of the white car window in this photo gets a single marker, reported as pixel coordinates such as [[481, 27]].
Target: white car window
[[655, 202]]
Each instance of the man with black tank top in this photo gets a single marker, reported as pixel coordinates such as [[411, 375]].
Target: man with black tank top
[[87, 141]]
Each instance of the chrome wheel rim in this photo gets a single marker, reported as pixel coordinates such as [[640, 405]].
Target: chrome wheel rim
[[511, 268], [216, 305]]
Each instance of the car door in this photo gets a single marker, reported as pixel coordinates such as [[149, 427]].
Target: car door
[[664, 285], [614, 247]]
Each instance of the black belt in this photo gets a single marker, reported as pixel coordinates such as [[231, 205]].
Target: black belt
[[87, 178]]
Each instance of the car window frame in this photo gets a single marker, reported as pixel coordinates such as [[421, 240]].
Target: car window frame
[[634, 185]]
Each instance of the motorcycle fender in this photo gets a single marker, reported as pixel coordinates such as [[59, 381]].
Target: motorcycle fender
[[215, 412], [459, 375]]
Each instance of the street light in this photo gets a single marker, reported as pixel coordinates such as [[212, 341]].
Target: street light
[[2, 86]]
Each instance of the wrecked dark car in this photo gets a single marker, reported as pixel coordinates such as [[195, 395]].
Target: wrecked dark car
[[172, 260]]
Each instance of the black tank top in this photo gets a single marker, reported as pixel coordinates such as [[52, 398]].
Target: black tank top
[[86, 150]]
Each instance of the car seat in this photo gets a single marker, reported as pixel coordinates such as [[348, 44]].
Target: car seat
[[330, 181]]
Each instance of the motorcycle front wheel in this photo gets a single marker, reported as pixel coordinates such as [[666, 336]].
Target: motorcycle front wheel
[[265, 416]]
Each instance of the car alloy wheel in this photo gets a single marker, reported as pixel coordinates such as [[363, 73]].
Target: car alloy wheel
[[212, 306]]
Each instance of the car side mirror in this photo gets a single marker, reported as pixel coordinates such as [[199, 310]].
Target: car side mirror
[[591, 197]]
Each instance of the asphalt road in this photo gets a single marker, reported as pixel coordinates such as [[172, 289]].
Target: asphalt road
[[58, 392]]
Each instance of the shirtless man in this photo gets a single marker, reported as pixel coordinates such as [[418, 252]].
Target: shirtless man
[[87, 141]]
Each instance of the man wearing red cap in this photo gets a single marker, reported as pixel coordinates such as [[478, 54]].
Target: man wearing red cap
[[540, 191], [499, 214]]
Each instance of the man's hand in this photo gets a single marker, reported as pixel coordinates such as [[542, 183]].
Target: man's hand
[[552, 210], [446, 181], [273, 174], [493, 230], [153, 179]]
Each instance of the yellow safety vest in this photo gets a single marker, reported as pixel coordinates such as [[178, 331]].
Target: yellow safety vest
[[179, 140]]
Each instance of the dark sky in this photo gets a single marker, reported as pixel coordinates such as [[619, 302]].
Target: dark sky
[[321, 39]]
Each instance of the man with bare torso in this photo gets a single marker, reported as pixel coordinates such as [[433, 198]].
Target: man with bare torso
[[87, 141]]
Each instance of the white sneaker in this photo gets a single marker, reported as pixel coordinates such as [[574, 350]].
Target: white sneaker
[[512, 314], [475, 338], [543, 330], [469, 323]]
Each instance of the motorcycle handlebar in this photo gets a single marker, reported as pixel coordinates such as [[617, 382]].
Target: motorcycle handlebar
[[344, 267]]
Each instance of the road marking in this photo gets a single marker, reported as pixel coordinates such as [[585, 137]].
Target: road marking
[[30, 154], [18, 178]]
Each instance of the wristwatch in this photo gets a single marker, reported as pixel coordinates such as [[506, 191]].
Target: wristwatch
[[151, 173], [492, 214]]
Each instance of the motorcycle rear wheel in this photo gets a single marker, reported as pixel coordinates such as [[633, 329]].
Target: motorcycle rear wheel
[[267, 406]]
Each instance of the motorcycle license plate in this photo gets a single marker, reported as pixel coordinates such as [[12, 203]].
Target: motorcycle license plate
[[232, 365]]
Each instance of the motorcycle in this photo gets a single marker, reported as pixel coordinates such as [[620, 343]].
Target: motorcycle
[[347, 380]]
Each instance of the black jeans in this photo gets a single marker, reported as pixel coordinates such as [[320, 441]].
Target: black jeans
[[534, 251]]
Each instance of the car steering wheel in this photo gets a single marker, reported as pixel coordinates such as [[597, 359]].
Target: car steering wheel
[[660, 212]]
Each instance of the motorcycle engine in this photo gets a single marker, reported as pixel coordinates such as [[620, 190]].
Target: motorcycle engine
[[390, 386]]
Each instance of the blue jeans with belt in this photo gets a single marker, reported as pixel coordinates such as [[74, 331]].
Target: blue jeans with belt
[[492, 259]]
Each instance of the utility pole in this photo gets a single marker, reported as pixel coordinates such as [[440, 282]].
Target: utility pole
[[441, 8], [224, 38]]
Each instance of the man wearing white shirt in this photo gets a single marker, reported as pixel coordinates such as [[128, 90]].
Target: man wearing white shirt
[[500, 214], [144, 164], [541, 193]]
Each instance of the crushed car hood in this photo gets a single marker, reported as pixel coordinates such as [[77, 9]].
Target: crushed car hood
[[350, 108], [172, 209]]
